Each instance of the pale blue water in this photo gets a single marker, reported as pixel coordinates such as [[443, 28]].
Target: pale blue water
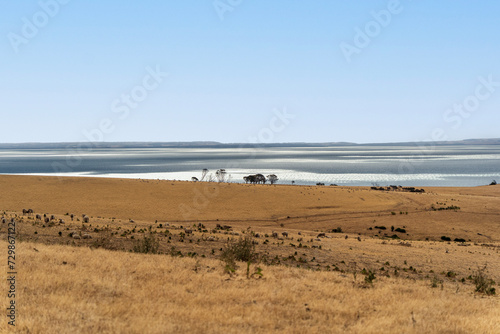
[[459, 165]]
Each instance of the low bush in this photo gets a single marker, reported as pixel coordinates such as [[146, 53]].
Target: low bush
[[148, 245], [482, 282], [239, 250]]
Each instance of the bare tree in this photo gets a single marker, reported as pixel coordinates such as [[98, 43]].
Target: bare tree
[[221, 175], [272, 178], [204, 173]]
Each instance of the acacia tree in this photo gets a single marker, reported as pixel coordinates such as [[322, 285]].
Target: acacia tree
[[272, 178], [260, 178]]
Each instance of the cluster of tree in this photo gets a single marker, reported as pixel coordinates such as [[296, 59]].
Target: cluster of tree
[[222, 176], [399, 188], [259, 178]]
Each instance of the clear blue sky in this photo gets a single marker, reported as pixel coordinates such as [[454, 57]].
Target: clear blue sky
[[226, 77]]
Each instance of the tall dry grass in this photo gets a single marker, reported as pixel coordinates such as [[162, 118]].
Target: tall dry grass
[[63, 289]]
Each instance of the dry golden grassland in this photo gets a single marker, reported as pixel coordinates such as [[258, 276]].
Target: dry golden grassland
[[65, 289], [97, 285]]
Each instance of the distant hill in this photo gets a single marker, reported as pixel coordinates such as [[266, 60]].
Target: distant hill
[[212, 144]]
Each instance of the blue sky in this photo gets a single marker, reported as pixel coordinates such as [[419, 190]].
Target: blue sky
[[234, 64]]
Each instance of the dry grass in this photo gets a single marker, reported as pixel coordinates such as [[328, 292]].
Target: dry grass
[[99, 291], [87, 290], [355, 209]]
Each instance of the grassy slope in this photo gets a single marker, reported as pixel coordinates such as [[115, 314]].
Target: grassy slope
[[99, 291], [104, 291], [266, 207]]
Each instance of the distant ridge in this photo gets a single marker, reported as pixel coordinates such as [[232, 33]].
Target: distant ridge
[[213, 144]]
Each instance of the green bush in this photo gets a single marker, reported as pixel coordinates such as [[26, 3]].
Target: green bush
[[482, 282], [369, 275], [148, 245], [238, 250]]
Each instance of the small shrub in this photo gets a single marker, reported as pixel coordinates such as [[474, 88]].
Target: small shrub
[[148, 245], [451, 274], [444, 238], [400, 230], [240, 250], [435, 282], [482, 282], [369, 275]]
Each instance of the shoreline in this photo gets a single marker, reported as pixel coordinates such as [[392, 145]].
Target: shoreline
[[121, 176]]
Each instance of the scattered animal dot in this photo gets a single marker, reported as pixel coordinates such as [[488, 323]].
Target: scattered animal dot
[[274, 234], [86, 219], [38, 217], [76, 236], [321, 235], [285, 234]]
